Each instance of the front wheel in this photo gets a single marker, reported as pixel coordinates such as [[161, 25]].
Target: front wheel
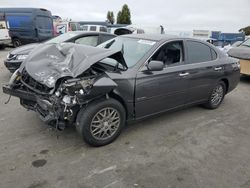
[[217, 95], [16, 42], [101, 122]]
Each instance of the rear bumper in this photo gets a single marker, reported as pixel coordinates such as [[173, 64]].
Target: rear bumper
[[13, 65]]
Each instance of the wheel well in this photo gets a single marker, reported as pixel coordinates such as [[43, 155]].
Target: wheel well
[[119, 99], [226, 83], [14, 38]]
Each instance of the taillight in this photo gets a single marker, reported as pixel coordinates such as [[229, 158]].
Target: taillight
[[236, 65]]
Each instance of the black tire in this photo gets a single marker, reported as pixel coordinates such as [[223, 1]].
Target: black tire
[[211, 104], [16, 42], [86, 116], [2, 47]]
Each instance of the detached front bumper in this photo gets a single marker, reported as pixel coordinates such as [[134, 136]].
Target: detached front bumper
[[19, 93], [12, 65], [49, 112]]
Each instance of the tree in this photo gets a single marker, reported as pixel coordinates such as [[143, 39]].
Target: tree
[[124, 16], [246, 30], [119, 17], [111, 17]]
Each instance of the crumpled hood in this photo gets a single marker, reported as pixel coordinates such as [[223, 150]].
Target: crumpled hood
[[50, 62], [23, 50], [240, 52]]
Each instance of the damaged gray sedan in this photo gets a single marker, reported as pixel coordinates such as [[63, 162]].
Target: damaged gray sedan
[[99, 89]]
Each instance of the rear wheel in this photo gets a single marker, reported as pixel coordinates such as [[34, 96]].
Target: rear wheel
[[16, 42], [101, 122], [217, 95], [2, 47]]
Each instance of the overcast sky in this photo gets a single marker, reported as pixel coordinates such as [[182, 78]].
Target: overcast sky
[[224, 15]]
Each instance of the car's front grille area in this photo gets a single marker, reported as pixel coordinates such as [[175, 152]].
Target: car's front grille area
[[27, 79]]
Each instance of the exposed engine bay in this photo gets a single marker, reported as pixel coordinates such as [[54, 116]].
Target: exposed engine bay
[[58, 97]]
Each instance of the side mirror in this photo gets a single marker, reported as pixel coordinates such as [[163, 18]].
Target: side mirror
[[155, 66]]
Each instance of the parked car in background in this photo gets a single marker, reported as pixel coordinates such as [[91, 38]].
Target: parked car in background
[[28, 25], [127, 78], [98, 28], [18, 55], [66, 26], [128, 30], [4, 32], [243, 53]]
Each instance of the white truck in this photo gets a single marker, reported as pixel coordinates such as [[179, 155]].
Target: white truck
[[4, 32]]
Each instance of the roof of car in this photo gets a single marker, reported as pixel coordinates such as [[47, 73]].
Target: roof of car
[[90, 32], [154, 37]]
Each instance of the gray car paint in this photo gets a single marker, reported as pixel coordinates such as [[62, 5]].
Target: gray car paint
[[24, 49], [146, 93], [54, 61]]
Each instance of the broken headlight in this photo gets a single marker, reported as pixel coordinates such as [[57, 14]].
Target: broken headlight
[[14, 77], [21, 56]]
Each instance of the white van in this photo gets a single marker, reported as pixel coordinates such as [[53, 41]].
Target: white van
[[98, 28], [4, 32]]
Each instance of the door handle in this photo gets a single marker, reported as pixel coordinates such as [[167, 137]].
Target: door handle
[[217, 68], [184, 74]]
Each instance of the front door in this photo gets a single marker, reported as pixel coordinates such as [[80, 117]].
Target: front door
[[159, 91]]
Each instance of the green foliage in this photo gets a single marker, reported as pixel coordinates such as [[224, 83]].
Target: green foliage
[[124, 16], [119, 17], [246, 30], [111, 17]]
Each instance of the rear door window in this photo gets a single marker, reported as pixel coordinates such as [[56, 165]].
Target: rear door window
[[214, 54], [103, 29], [84, 28], [92, 28], [198, 52], [44, 22]]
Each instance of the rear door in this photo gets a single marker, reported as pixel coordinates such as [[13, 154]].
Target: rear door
[[203, 70], [44, 27], [163, 90]]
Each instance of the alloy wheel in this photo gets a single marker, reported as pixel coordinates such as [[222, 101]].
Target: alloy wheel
[[105, 123], [217, 95]]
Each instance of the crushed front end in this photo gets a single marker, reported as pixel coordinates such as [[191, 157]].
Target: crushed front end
[[58, 106], [57, 80]]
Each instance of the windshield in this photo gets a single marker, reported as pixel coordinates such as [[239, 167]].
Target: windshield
[[133, 49], [61, 38], [246, 43]]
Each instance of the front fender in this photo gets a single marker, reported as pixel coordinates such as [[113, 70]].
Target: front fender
[[102, 86]]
